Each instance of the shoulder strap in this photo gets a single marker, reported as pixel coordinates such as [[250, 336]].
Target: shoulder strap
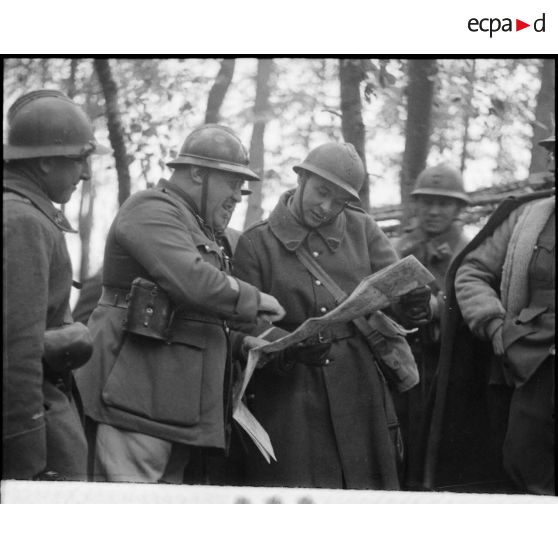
[[320, 273]]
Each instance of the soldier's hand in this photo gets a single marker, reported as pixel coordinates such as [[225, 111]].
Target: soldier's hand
[[270, 309], [494, 332]]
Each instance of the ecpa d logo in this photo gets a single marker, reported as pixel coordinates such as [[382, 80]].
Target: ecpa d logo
[[494, 24]]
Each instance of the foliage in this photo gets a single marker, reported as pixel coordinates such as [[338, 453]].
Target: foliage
[[162, 99]]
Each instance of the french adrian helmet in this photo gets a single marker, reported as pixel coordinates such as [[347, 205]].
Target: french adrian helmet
[[441, 180], [47, 123], [338, 163], [216, 147]]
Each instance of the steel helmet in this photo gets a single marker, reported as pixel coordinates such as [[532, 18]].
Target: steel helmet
[[338, 163], [47, 123], [216, 147], [441, 180]]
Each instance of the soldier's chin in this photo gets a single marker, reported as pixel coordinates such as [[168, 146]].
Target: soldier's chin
[[63, 197]]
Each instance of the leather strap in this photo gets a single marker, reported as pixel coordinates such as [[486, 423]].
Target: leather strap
[[114, 296], [371, 336]]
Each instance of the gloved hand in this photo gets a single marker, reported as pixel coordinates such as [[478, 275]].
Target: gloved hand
[[250, 342], [414, 306], [311, 355], [67, 347]]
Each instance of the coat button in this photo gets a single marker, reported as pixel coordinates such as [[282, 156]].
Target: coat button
[[323, 309], [326, 361], [318, 282], [315, 254]]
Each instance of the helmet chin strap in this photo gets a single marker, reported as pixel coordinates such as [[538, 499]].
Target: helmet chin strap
[[205, 187], [302, 186]]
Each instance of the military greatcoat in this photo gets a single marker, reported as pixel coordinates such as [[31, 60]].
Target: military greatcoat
[[329, 425], [173, 390], [41, 428]]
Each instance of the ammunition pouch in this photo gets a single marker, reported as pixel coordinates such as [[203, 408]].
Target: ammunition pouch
[[386, 339], [150, 311]]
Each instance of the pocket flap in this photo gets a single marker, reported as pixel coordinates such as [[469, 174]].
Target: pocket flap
[[190, 332], [528, 314], [547, 242]]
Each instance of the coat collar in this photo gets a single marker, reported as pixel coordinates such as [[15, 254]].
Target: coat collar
[[291, 233], [166, 185], [25, 187]]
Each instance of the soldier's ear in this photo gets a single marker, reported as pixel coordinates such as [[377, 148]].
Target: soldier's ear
[[197, 174], [45, 164]]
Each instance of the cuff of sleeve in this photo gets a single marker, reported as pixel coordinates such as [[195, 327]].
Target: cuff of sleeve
[[492, 326], [247, 303]]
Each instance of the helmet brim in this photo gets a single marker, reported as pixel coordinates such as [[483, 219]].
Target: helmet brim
[[329, 177], [441, 193], [14, 152], [224, 166]]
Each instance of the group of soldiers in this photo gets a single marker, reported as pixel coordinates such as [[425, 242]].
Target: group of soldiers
[[143, 393]]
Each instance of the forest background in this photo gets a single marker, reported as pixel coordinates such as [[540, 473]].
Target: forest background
[[483, 115]]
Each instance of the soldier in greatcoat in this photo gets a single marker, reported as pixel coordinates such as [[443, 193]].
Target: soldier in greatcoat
[[330, 417], [159, 396], [50, 140]]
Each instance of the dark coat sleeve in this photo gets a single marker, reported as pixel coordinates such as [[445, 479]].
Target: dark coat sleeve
[[156, 235]]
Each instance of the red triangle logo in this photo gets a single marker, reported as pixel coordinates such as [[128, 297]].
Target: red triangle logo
[[519, 25]]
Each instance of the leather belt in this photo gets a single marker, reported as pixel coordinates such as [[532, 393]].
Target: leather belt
[[114, 296], [336, 332]]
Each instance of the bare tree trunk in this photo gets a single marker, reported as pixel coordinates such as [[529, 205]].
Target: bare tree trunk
[[71, 88], [116, 134], [261, 115], [351, 74], [544, 116], [45, 71], [72, 77], [86, 206], [420, 94], [467, 113], [219, 90]]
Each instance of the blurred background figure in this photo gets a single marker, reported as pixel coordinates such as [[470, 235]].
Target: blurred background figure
[[434, 239]]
